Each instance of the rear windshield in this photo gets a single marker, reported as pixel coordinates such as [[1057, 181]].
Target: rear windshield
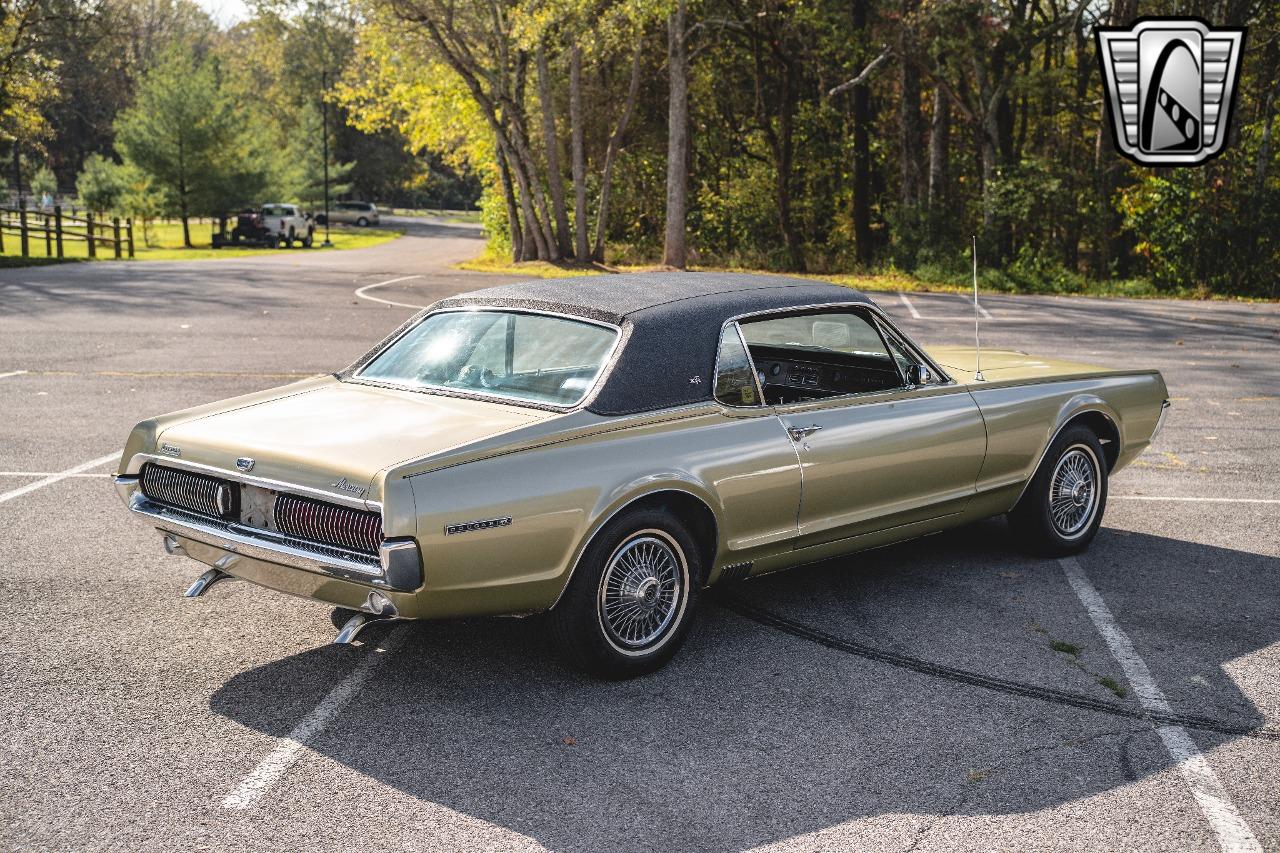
[[531, 357]]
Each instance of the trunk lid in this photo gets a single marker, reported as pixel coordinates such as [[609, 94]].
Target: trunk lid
[[999, 365], [336, 438]]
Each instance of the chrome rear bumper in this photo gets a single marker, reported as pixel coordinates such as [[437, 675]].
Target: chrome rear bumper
[[398, 565]]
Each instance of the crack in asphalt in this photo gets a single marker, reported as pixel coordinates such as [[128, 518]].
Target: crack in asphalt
[[987, 682], [970, 792]]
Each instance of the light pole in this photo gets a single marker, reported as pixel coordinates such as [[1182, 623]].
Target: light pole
[[324, 132]]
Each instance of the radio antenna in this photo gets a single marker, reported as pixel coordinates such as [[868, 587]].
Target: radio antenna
[[977, 341]]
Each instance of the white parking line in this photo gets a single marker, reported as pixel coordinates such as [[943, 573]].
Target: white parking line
[[51, 474], [1194, 500], [12, 373], [363, 295], [61, 475], [986, 315], [272, 768], [1233, 833], [910, 307]]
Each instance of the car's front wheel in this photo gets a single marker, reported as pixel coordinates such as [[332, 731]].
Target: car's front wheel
[[632, 598], [363, 222], [1061, 510]]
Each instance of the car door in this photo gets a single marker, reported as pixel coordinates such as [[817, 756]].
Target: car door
[[892, 454], [754, 466]]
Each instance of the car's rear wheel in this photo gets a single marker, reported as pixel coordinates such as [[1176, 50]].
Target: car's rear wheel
[[1062, 508], [632, 598], [288, 240]]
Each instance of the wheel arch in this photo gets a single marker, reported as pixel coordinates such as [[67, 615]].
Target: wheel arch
[[1103, 426], [694, 510], [1089, 411]]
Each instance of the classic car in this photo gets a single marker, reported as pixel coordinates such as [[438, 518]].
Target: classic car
[[604, 449]]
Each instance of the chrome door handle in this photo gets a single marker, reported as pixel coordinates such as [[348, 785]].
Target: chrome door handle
[[801, 433]]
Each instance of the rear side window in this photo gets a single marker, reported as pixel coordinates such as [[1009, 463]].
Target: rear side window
[[735, 377]]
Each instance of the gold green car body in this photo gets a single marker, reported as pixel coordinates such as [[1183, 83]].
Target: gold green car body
[[501, 498]]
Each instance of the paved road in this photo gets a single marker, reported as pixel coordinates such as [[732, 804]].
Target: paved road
[[908, 698]]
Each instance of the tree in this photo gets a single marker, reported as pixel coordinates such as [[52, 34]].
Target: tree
[[551, 143], [43, 183], [301, 175], [100, 184], [674, 251], [139, 199], [27, 75], [186, 134]]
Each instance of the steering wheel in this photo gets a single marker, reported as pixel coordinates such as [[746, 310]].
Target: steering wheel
[[475, 376]]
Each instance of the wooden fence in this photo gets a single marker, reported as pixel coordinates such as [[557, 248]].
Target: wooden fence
[[55, 229]]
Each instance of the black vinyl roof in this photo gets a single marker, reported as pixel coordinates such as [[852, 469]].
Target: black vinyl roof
[[671, 324]]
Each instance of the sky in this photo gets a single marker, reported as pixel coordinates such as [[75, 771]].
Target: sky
[[225, 12]]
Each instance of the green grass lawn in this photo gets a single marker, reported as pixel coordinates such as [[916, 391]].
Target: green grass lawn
[[886, 281], [166, 245], [471, 217]]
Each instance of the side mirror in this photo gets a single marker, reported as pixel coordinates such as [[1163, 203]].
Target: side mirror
[[921, 375]]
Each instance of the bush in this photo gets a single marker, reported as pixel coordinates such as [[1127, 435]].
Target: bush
[[1194, 234], [100, 184]]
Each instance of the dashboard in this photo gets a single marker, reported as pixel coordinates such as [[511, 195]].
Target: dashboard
[[790, 375]]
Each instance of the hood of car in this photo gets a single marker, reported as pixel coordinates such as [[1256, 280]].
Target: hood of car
[[337, 437], [1005, 365]]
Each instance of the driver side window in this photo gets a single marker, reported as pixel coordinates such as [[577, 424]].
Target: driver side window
[[814, 355]]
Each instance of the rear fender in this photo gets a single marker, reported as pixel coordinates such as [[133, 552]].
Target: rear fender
[[619, 499]]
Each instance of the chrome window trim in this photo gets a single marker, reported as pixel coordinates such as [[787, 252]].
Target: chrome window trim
[[886, 334], [597, 381], [755, 373], [238, 477]]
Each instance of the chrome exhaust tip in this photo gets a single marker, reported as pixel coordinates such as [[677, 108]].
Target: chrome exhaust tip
[[376, 608], [354, 626], [217, 574], [205, 582]]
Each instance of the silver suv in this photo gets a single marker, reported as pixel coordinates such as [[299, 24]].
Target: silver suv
[[360, 213]]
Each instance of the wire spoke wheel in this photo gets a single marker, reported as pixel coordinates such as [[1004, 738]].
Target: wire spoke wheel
[[1073, 491], [642, 591]]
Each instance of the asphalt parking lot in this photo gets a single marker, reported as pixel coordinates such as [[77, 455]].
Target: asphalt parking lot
[[949, 693]]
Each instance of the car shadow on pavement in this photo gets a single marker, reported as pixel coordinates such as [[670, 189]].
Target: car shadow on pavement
[[753, 735]]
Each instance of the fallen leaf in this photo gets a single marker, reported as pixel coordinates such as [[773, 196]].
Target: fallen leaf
[[568, 741]]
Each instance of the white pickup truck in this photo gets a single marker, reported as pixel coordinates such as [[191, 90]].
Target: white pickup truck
[[286, 223]]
